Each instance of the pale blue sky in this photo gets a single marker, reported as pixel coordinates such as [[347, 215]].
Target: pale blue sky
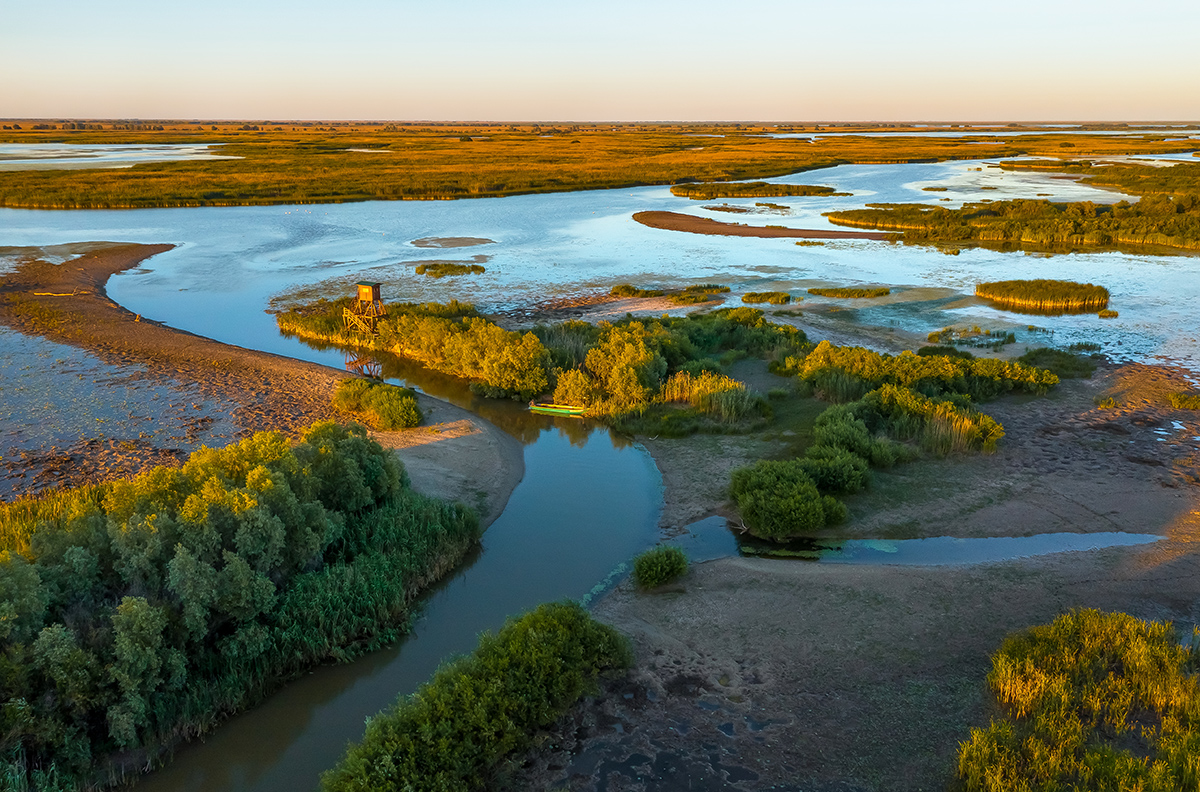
[[785, 60]]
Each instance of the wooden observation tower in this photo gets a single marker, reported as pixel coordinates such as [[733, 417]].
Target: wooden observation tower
[[363, 314]]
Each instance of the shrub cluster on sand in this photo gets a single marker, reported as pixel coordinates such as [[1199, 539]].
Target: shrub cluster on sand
[[1063, 363], [1091, 701], [779, 501], [442, 269], [383, 406], [1045, 296], [456, 728], [772, 297], [146, 610], [850, 292], [758, 189], [659, 566]]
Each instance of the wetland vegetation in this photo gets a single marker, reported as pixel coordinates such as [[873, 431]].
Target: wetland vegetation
[[1045, 296], [659, 566], [848, 292], [383, 406], [758, 189], [443, 269], [454, 731], [771, 297], [309, 163], [1091, 701], [145, 611]]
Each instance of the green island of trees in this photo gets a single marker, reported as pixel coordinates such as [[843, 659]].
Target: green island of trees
[[443, 269], [848, 292], [772, 297], [453, 732], [1159, 220], [144, 611], [758, 189], [1045, 296], [1091, 701]]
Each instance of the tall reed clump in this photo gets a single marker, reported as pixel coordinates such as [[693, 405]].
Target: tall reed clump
[[941, 426], [148, 610], [717, 395], [1045, 296], [1185, 401], [659, 566], [457, 727], [1091, 701], [383, 406], [772, 297]]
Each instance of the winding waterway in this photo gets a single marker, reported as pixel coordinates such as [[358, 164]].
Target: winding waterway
[[590, 500]]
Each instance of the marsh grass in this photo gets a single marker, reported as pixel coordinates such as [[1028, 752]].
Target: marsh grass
[[772, 297], [851, 293], [1095, 701], [659, 566], [1062, 363], [711, 190], [1045, 296], [629, 290], [443, 269], [1185, 401], [1108, 313]]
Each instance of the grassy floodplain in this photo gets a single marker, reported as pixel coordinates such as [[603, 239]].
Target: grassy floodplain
[[322, 163], [1045, 296]]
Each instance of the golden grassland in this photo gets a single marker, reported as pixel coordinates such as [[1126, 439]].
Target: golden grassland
[[291, 163]]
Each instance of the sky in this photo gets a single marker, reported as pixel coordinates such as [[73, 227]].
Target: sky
[[620, 60]]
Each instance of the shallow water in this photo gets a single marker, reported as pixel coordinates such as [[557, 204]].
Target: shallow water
[[61, 156], [232, 260], [944, 550]]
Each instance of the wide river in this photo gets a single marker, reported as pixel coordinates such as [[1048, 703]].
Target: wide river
[[590, 500]]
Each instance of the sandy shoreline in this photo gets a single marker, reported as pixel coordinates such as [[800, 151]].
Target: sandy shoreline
[[674, 221], [474, 462]]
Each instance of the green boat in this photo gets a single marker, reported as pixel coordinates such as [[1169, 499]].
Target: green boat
[[556, 409]]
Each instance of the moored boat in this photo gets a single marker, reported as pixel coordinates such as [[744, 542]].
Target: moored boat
[[556, 409]]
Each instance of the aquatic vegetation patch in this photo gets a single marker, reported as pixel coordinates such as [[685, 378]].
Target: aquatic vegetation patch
[[443, 269], [1185, 401], [772, 297], [384, 406], [1108, 313], [476, 710], [149, 609], [629, 290], [847, 292], [1091, 701], [972, 336], [1045, 296], [659, 566], [759, 189]]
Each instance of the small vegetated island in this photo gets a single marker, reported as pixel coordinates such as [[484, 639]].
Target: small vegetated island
[[1167, 216], [443, 269], [851, 292], [759, 189], [144, 611], [1045, 296], [1092, 701], [677, 221]]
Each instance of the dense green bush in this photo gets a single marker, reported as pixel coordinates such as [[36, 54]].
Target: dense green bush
[[1093, 701], [658, 566], [147, 610], [944, 351], [778, 501], [1064, 364], [834, 469], [384, 406], [452, 732], [941, 425]]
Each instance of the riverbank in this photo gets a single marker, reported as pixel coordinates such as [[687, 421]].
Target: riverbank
[[674, 221], [456, 455]]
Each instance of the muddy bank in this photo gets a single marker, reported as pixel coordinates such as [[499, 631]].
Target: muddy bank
[[674, 221], [222, 391]]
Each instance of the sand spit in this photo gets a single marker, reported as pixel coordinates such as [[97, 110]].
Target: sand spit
[[674, 221]]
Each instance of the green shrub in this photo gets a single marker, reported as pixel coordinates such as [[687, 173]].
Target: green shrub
[[456, 728], [658, 566], [1064, 364], [778, 501], [1093, 701], [629, 290], [944, 351], [1185, 401], [385, 407], [834, 469]]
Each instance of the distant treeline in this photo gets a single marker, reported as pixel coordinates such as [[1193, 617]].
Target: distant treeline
[[1161, 220], [143, 612], [758, 189]]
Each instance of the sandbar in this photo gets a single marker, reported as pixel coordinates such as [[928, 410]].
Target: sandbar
[[675, 221]]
